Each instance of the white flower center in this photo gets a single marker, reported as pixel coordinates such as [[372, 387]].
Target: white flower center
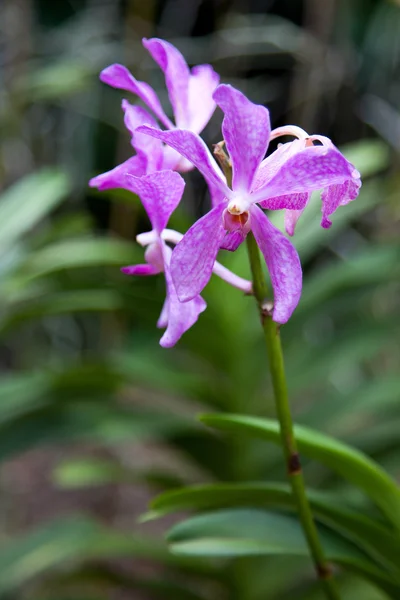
[[239, 204]]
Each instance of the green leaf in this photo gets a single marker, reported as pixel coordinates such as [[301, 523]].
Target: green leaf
[[328, 508], [245, 532], [27, 202], [350, 463], [78, 253]]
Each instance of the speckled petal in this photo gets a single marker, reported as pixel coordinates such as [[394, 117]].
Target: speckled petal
[[193, 258], [232, 241], [202, 83], [192, 147], [160, 194], [338, 195], [119, 77], [181, 316], [177, 74], [311, 169], [116, 178], [246, 129], [283, 265]]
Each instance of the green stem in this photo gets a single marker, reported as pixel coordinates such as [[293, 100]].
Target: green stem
[[295, 473]]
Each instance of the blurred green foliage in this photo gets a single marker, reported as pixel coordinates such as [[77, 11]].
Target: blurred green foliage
[[94, 416]]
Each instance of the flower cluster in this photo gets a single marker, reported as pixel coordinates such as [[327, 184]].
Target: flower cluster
[[252, 182]]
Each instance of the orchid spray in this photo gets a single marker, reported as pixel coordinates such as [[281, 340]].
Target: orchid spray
[[248, 183]]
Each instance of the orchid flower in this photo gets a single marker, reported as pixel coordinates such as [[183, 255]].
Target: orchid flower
[[160, 194], [190, 94], [282, 180], [332, 196]]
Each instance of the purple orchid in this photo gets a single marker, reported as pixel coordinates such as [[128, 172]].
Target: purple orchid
[[160, 194], [332, 196], [190, 93], [283, 180]]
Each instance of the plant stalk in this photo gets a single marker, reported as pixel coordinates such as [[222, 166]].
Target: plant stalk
[[294, 469]]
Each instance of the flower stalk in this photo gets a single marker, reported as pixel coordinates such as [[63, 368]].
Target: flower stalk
[[294, 469]]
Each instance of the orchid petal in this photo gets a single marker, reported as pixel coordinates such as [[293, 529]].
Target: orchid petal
[[150, 148], [160, 194], [310, 169], [289, 201], [181, 316], [246, 129], [163, 318], [291, 218], [192, 147], [202, 83], [116, 178], [140, 270], [271, 165], [193, 258], [283, 265], [337, 195], [177, 74], [119, 77]]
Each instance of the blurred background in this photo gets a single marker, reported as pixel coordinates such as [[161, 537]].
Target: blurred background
[[95, 417]]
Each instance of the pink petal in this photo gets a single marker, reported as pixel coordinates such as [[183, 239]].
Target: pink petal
[[150, 148], [310, 169], [246, 129], [338, 195], [193, 258], [160, 194], [202, 83], [181, 316], [177, 74], [140, 270], [119, 77], [291, 218], [116, 178], [192, 147], [283, 265]]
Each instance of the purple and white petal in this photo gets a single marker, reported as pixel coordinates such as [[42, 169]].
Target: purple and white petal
[[116, 178], [193, 258], [181, 315], [177, 74], [202, 83], [246, 129], [160, 194], [283, 265], [271, 165], [338, 195], [192, 147], [310, 169], [148, 147], [119, 77]]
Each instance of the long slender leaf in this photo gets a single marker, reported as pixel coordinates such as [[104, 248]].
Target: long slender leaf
[[352, 464]]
